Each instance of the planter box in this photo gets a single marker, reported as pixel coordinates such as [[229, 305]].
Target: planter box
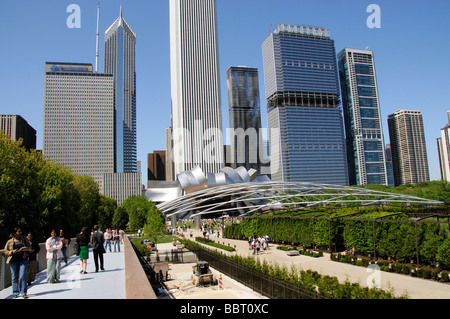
[[292, 253]]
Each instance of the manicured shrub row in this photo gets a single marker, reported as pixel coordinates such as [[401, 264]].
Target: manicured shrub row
[[395, 267], [382, 232], [327, 286], [214, 244]]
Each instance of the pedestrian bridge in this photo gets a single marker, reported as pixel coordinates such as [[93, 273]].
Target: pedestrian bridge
[[123, 278]]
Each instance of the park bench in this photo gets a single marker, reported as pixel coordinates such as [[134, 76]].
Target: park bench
[[292, 253]]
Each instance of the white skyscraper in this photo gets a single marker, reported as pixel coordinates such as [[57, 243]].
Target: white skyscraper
[[196, 102], [443, 143], [79, 119]]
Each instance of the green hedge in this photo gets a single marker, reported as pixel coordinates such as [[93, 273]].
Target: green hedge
[[213, 244], [381, 231], [396, 267]]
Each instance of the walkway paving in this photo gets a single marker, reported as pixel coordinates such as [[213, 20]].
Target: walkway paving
[[416, 288], [107, 284]]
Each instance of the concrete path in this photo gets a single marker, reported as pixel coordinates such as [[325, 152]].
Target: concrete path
[[107, 284], [415, 288]]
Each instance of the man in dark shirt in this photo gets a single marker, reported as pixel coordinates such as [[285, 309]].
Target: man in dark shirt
[[97, 247]]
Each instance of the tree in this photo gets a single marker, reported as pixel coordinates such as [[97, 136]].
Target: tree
[[106, 212], [443, 254], [137, 208], [156, 224], [120, 218], [19, 187], [90, 199]]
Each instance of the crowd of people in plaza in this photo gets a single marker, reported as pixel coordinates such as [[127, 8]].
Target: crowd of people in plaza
[[21, 254], [258, 243]]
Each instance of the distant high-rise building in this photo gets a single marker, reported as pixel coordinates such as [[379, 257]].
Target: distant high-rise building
[[196, 102], [443, 144], [79, 118], [389, 169], [245, 117], [305, 123], [16, 127], [120, 60], [156, 166], [121, 186], [169, 162], [362, 116], [409, 152]]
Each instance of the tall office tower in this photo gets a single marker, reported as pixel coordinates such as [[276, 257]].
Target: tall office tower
[[120, 60], [245, 117], [362, 117], [305, 123], [389, 169], [156, 166], [121, 186], [169, 162], [16, 127], [196, 102], [79, 118], [409, 151], [443, 144]]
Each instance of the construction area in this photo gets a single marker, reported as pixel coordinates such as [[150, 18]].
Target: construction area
[[179, 283]]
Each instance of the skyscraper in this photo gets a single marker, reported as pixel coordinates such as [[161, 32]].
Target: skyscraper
[[79, 118], [443, 144], [16, 127], [196, 103], [120, 60], [302, 90], [245, 117], [409, 152], [362, 116]]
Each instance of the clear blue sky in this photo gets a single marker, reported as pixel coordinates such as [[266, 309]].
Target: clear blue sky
[[411, 53]]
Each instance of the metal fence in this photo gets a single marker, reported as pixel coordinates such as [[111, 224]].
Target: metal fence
[[266, 285]]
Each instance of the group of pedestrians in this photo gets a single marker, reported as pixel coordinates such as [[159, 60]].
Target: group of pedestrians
[[114, 237], [21, 255], [258, 243]]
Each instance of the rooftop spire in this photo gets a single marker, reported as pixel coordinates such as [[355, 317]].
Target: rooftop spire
[[121, 10]]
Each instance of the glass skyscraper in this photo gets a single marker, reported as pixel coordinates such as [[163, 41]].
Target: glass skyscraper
[[245, 117], [305, 123], [364, 133], [120, 60]]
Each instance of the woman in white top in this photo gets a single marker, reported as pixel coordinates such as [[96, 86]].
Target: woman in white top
[[54, 256]]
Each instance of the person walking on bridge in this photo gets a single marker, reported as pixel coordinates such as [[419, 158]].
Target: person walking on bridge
[[54, 257], [83, 239], [97, 247], [16, 251]]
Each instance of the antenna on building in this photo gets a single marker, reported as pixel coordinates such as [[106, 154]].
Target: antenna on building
[[96, 50]]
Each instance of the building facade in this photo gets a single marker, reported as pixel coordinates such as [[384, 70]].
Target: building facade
[[16, 127], [196, 103], [305, 123], [120, 60], [156, 166], [121, 186], [362, 116], [443, 144], [245, 117], [389, 169], [79, 118], [409, 153]]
